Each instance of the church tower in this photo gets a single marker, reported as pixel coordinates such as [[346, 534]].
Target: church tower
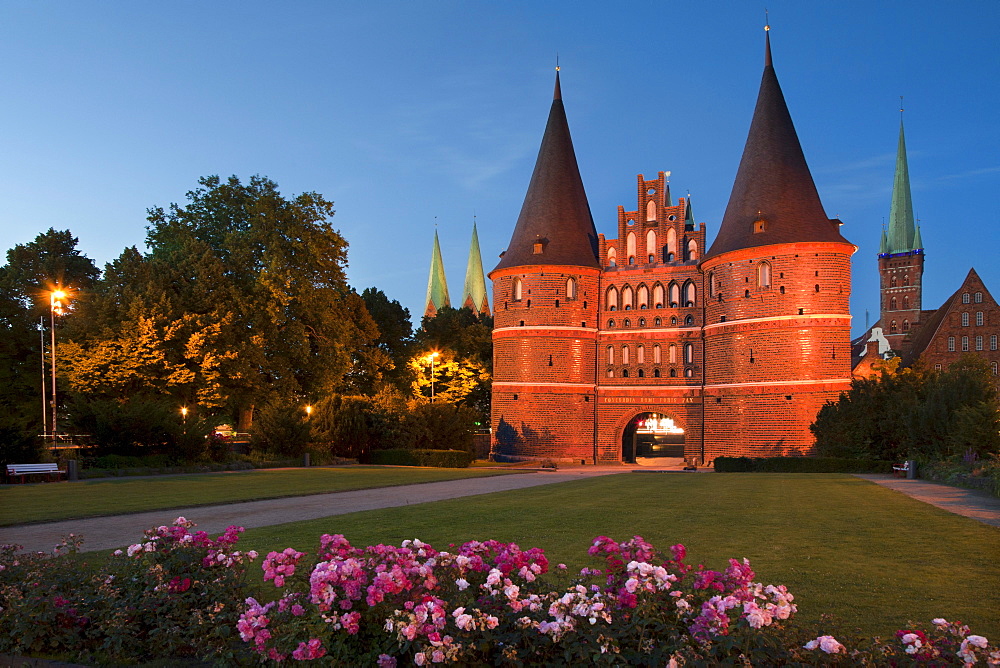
[[900, 261], [437, 285], [777, 286], [545, 295], [474, 293]]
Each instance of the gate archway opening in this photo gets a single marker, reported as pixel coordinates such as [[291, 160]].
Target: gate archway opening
[[652, 436]]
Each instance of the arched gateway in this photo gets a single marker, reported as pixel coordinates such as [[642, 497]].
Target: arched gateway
[[652, 435]]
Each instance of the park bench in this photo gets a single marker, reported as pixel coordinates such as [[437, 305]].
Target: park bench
[[901, 471], [31, 469]]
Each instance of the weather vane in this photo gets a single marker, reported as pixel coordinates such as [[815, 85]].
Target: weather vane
[[557, 62], [767, 23]]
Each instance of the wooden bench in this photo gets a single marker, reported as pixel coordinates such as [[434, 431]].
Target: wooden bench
[[31, 469], [901, 471]]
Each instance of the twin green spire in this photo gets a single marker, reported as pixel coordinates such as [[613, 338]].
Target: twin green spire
[[903, 235], [474, 294]]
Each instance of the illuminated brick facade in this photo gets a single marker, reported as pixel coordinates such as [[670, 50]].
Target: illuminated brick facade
[[738, 345]]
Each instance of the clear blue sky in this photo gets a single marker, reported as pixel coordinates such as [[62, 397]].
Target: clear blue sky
[[411, 114]]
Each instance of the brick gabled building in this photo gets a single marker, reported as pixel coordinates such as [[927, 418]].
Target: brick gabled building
[[645, 344]]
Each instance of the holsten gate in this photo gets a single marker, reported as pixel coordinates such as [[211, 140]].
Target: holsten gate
[[609, 348]]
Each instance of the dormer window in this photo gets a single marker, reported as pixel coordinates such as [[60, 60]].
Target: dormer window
[[538, 247], [759, 225]]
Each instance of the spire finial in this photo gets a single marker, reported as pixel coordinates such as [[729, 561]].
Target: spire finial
[[557, 94], [900, 108], [767, 41]]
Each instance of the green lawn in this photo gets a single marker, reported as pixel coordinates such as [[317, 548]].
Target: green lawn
[[21, 504], [872, 557]]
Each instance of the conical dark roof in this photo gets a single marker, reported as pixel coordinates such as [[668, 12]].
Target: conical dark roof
[[555, 225], [773, 183]]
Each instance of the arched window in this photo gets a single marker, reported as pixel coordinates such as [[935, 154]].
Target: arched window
[[892, 327], [673, 373], [979, 297], [570, 288], [993, 341], [612, 257], [640, 354], [651, 244], [965, 344], [611, 354], [965, 296], [642, 296], [612, 298], [711, 284], [892, 282], [672, 353], [658, 295], [658, 322], [642, 322], [626, 323], [675, 295], [892, 304], [692, 250], [656, 372], [611, 323], [906, 303], [965, 320], [671, 245], [993, 367], [611, 373], [906, 325], [906, 279], [656, 353], [640, 373], [630, 247], [979, 318], [517, 289], [624, 373], [625, 355], [688, 372], [650, 211], [689, 294], [673, 321], [689, 320], [627, 298], [689, 353], [979, 343], [764, 275]]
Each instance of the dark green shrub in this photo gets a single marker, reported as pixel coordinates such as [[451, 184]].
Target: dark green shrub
[[801, 465], [130, 427], [438, 426], [456, 459], [281, 428]]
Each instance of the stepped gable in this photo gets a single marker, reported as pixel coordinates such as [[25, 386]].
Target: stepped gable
[[932, 325], [555, 226], [774, 199]]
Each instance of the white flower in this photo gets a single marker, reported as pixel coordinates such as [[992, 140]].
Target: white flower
[[462, 584], [978, 641]]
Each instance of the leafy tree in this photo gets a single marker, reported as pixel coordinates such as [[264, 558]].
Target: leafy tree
[[241, 300], [281, 429], [32, 271], [438, 426], [135, 426], [461, 330], [395, 333], [448, 379]]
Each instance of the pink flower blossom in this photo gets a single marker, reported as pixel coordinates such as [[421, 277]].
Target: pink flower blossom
[[828, 644]]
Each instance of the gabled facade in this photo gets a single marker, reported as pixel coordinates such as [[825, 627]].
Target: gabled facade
[[605, 347]]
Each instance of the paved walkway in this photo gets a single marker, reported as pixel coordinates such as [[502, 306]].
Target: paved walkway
[[101, 533], [976, 504]]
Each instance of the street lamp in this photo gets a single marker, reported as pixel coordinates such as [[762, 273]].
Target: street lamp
[[56, 307], [309, 411], [433, 356], [184, 418]]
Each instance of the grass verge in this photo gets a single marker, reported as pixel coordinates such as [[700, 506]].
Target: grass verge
[[870, 556], [46, 502]]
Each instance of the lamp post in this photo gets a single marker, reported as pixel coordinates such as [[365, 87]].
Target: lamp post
[[433, 356], [309, 411], [55, 308], [184, 418], [45, 400]]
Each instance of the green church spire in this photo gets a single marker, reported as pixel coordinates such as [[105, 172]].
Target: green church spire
[[474, 296], [437, 286], [902, 233]]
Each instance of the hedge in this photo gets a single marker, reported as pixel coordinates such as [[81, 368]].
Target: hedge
[[801, 465], [453, 459]]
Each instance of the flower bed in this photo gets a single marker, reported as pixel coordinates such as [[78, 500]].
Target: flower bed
[[180, 593]]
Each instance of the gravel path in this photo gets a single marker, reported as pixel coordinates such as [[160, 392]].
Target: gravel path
[[102, 533]]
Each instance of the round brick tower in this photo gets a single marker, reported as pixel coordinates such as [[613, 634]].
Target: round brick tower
[[545, 302], [777, 286]]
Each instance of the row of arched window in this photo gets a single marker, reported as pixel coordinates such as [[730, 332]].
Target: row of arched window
[[657, 322], [517, 289], [965, 343], [978, 296], [641, 373], [642, 297], [763, 279], [980, 319], [894, 328], [640, 354], [893, 303], [668, 252]]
